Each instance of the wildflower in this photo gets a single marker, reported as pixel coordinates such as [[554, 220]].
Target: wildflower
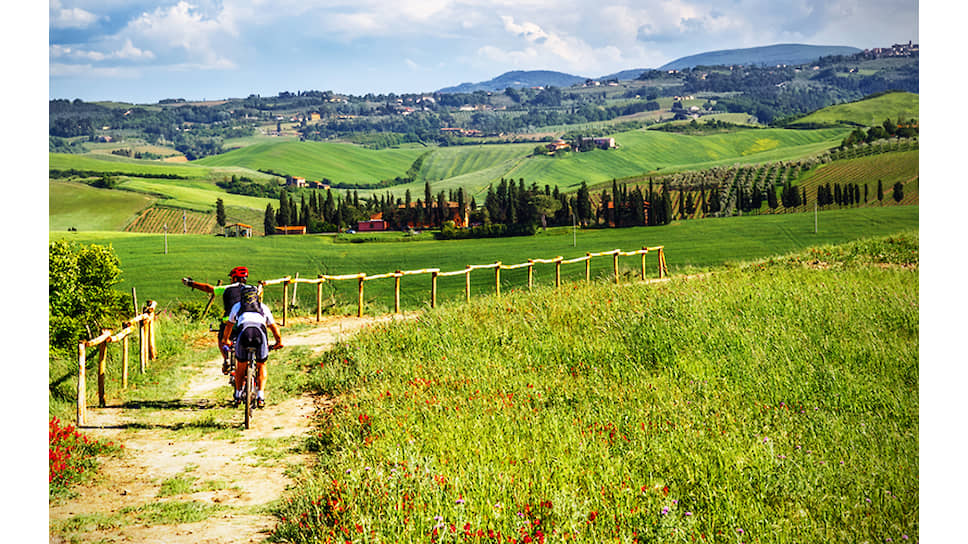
[[665, 510], [688, 513]]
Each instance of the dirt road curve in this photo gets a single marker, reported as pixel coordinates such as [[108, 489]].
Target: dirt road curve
[[233, 472]]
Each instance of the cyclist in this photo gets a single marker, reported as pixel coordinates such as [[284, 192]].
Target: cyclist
[[230, 294], [249, 318]]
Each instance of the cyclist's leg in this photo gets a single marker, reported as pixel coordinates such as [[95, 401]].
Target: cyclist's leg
[[262, 355]]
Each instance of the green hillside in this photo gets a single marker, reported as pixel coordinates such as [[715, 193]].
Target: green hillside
[[80, 206], [340, 163], [869, 112]]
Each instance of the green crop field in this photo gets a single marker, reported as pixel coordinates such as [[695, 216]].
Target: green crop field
[[889, 168], [87, 208], [344, 163], [689, 246], [870, 112]]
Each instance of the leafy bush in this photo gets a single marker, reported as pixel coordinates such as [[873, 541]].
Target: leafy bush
[[80, 297]]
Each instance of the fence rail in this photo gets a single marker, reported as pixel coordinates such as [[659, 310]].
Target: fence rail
[[435, 273], [144, 323]]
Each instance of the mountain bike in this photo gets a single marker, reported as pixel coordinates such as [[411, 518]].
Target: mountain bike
[[249, 399]]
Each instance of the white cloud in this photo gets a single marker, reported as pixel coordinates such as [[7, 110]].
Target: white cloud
[[61, 17], [183, 34]]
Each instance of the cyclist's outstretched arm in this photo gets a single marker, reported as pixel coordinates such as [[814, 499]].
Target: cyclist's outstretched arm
[[201, 286], [275, 332]]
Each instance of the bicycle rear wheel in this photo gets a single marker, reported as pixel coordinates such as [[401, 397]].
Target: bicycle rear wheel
[[249, 388]]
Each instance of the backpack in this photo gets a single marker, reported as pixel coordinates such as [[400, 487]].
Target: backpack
[[249, 300], [231, 296]]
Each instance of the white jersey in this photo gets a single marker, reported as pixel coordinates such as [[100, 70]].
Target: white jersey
[[248, 319]]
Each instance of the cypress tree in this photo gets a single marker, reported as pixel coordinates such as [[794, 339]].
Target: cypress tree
[[219, 212], [269, 222]]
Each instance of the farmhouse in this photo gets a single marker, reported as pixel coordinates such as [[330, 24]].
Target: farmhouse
[[556, 145], [374, 224], [238, 230], [295, 182]]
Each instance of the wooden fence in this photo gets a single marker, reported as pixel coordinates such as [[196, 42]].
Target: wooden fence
[[145, 325], [435, 273]]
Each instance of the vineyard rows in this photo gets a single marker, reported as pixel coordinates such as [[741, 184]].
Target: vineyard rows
[[154, 220]]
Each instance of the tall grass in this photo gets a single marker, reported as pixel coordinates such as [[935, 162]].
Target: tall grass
[[775, 402]]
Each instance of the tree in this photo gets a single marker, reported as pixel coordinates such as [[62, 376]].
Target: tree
[[898, 192], [583, 204], [220, 212], [81, 299], [269, 222]]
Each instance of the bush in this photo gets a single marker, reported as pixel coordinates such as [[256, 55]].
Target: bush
[[80, 296]]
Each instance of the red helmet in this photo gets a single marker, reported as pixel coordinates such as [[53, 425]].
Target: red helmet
[[239, 273]]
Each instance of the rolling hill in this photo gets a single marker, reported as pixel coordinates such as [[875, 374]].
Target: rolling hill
[[769, 55], [867, 113]]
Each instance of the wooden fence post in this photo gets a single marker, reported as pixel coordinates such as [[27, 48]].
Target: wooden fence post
[[615, 265], [152, 352], [319, 299], [396, 291], [433, 289], [467, 284], [81, 385], [530, 273], [143, 344], [134, 299], [588, 267], [124, 359], [497, 277], [359, 302], [285, 301], [294, 287], [645, 251], [662, 264], [557, 272], [102, 369]]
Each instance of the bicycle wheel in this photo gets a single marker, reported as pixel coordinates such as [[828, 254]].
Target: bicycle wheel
[[249, 388]]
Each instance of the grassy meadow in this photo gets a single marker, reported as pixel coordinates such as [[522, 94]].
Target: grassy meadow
[[690, 246], [84, 207], [774, 402], [870, 112]]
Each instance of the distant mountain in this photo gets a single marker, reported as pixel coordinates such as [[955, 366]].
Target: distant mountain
[[769, 55], [518, 79]]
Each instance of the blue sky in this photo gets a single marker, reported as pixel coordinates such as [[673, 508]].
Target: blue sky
[[140, 51]]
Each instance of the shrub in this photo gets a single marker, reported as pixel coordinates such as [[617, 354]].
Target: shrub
[[80, 296]]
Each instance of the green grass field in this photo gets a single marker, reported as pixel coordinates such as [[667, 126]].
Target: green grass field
[[317, 160], [689, 246], [87, 208], [770, 403], [870, 112]]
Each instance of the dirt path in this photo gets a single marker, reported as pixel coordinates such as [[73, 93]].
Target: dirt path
[[192, 453]]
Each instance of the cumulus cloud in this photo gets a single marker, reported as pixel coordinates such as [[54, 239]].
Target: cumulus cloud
[[61, 17]]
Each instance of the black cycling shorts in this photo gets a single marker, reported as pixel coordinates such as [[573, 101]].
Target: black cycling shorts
[[254, 337]]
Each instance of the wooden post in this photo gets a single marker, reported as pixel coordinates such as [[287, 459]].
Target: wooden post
[[615, 265], [396, 292], [643, 254], [285, 301], [467, 284], [662, 264], [497, 277], [102, 369], [210, 300], [81, 386], [588, 267], [134, 299], [143, 344], [530, 273], [152, 352], [433, 289], [359, 302], [319, 300], [124, 359], [294, 286], [557, 272]]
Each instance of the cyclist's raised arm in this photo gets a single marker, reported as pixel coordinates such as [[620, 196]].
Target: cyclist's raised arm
[[275, 332], [201, 286]]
